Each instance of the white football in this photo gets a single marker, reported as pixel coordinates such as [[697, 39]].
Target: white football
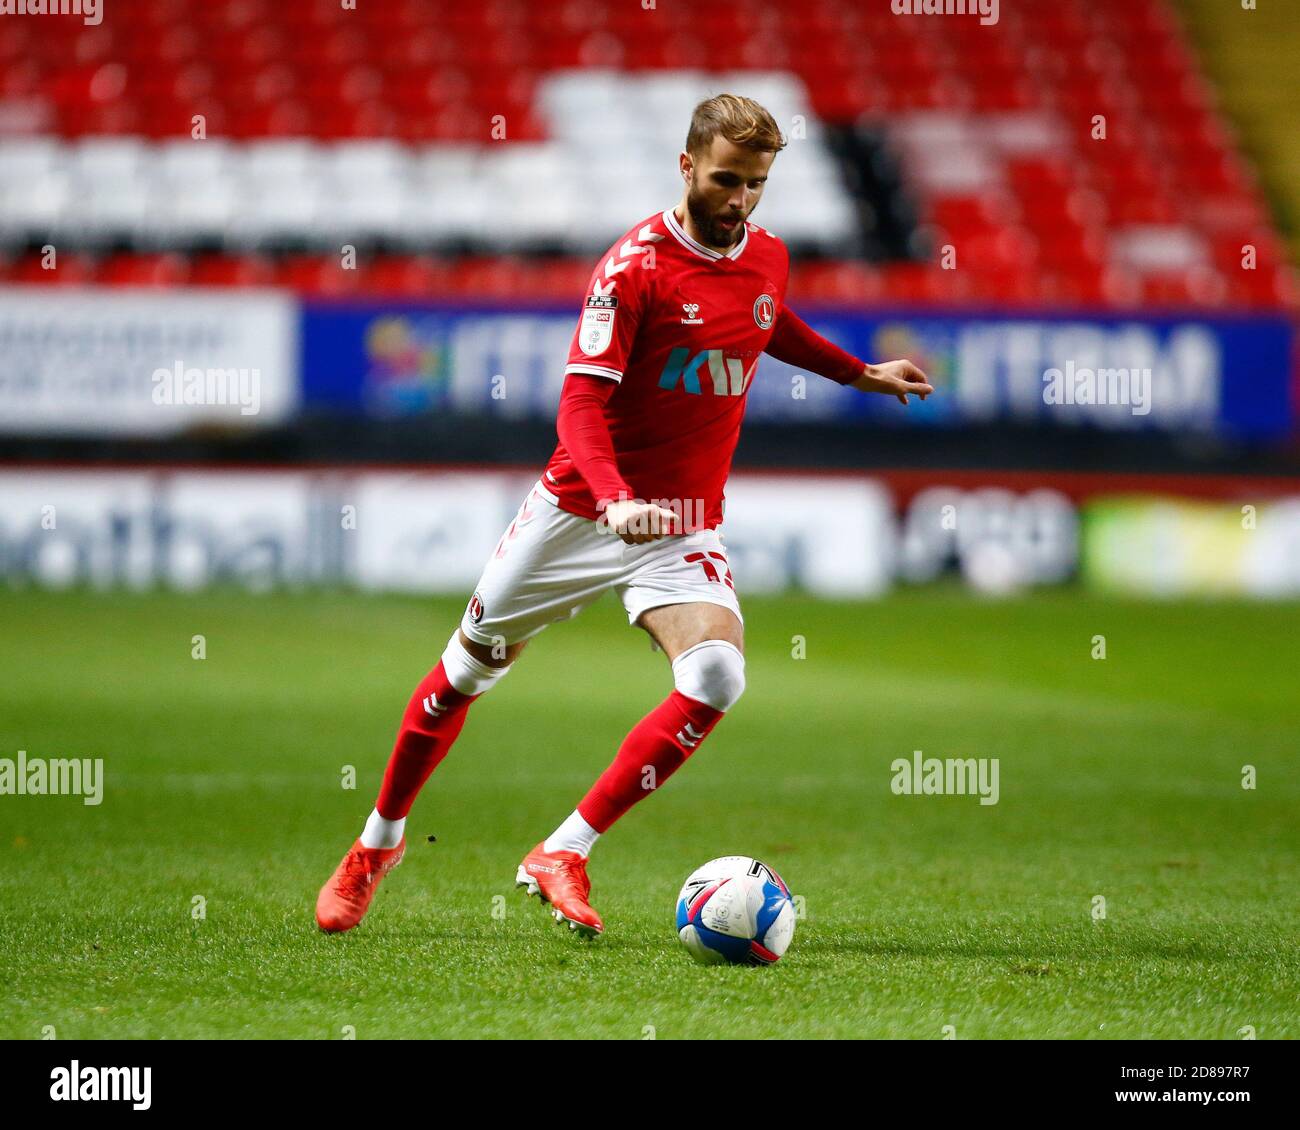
[[735, 909]]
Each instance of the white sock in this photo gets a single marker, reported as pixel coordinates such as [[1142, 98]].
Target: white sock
[[381, 833], [575, 834]]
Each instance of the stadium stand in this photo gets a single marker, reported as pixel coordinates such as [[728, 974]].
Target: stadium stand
[[490, 149]]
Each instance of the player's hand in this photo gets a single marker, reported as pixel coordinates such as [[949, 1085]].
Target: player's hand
[[894, 378], [639, 522]]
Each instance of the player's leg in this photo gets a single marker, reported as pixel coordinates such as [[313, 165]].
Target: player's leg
[[693, 614], [539, 572], [678, 627], [432, 721], [704, 644]]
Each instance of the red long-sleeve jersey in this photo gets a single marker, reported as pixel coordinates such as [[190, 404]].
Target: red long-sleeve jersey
[[660, 364]]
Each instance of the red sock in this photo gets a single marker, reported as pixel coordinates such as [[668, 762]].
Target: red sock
[[660, 742], [432, 721]]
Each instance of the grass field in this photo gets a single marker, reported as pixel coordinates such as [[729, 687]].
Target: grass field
[[1119, 778]]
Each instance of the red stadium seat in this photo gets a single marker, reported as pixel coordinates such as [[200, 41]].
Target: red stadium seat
[[405, 277], [321, 275], [69, 270], [274, 119], [232, 270], [165, 270], [426, 73]]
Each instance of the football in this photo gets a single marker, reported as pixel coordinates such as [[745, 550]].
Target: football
[[735, 910]]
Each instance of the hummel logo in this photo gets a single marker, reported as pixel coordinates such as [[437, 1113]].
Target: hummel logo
[[692, 318], [693, 740], [433, 706]]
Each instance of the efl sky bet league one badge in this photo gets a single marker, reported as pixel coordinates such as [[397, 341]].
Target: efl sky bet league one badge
[[764, 311], [597, 324]]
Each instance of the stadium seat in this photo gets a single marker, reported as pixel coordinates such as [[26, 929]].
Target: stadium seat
[[382, 125], [166, 270], [232, 270]]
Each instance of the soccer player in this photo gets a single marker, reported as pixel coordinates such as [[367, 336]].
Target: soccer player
[[675, 318]]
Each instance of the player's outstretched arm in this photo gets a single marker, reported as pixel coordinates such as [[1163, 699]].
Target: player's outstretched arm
[[894, 378], [797, 343]]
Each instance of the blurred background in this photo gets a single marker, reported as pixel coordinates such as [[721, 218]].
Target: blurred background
[[374, 222]]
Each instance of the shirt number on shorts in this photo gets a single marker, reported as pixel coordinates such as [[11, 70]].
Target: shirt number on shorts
[[710, 569]]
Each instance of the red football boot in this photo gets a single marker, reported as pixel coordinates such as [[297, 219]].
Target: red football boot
[[344, 900], [560, 877]]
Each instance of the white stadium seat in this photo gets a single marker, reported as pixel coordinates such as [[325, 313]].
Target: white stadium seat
[[610, 157], [41, 214]]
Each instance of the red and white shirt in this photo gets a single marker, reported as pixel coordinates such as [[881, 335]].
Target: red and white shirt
[[677, 329]]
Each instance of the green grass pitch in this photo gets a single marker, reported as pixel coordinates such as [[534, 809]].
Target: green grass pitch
[[1119, 777]]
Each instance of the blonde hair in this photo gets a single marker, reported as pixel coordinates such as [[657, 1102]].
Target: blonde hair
[[740, 120]]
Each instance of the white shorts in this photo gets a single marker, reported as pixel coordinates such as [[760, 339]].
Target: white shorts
[[550, 564]]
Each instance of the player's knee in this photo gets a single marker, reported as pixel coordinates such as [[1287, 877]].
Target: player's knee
[[498, 653], [712, 672], [468, 673]]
